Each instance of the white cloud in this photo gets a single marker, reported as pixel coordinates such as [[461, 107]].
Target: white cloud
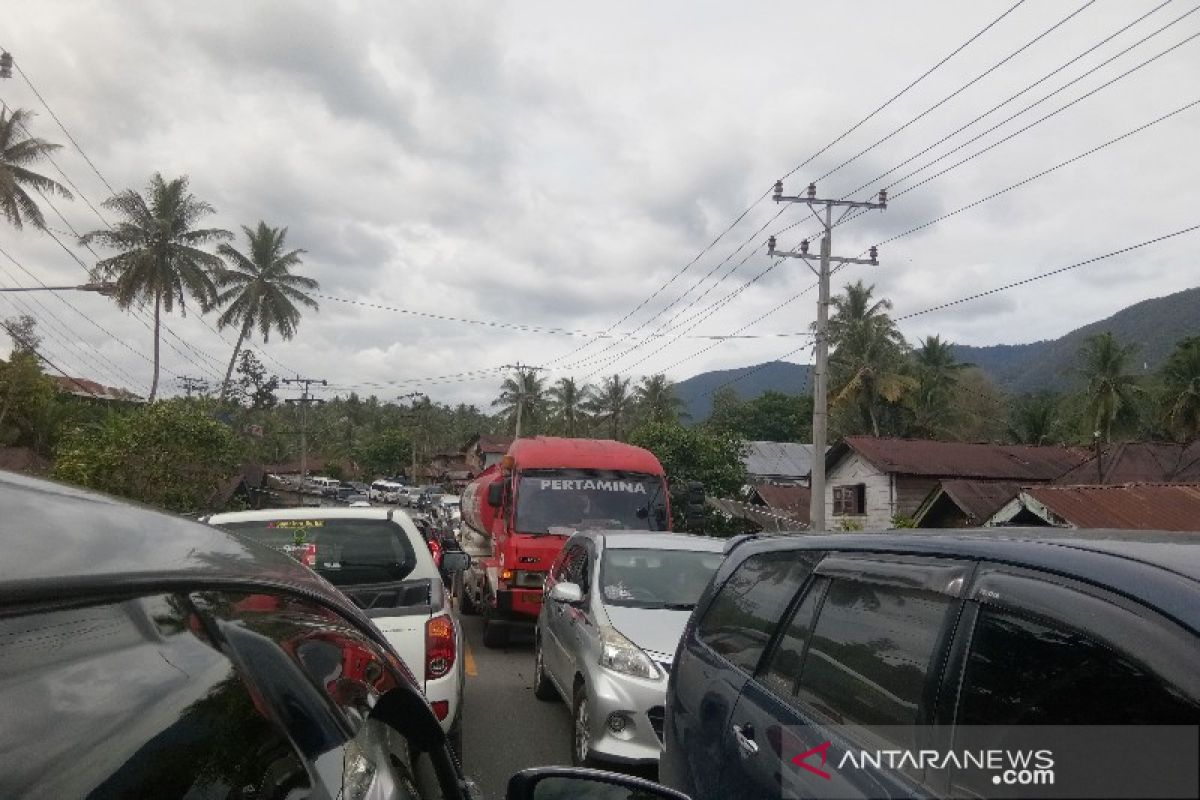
[[552, 165]]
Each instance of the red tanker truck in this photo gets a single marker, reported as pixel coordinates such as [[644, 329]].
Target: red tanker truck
[[517, 515]]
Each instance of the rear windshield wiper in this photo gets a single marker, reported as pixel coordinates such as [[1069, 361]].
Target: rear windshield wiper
[[678, 606]]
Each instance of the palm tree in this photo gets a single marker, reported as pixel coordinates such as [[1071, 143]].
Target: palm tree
[[656, 399], [1110, 388], [867, 365], [937, 372], [260, 290], [18, 150], [566, 404], [522, 399], [160, 258], [613, 405], [1181, 382], [1035, 419]]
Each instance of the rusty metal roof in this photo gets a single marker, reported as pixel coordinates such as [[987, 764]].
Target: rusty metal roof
[[785, 498], [1140, 462], [1136, 506], [961, 459], [980, 499]]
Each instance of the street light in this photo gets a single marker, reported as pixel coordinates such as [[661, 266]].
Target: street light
[[104, 288]]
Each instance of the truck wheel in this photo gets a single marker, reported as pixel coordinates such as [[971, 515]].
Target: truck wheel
[[466, 606], [494, 634], [543, 689]]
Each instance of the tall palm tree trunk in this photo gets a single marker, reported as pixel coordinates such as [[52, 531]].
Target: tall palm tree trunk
[[157, 335], [236, 349]]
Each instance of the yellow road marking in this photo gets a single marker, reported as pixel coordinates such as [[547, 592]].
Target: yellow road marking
[[469, 662]]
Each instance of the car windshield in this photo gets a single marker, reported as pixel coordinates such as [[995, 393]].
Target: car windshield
[[656, 578], [345, 552], [589, 499]]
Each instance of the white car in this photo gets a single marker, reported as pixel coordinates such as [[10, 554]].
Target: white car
[[379, 559]]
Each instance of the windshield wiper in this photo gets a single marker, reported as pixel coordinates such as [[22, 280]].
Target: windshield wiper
[[679, 606]]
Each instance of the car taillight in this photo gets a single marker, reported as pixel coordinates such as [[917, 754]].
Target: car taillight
[[308, 555], [439, 647], [436, 549]]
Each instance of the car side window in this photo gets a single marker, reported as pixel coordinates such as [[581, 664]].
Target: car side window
[[1025, 672], [781, 674], [871, 654], [155, 709], [740, 620]]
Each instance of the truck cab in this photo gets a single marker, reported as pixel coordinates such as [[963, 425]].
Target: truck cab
[[518, 515]]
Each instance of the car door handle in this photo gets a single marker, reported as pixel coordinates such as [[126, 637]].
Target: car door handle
[[745, 739]]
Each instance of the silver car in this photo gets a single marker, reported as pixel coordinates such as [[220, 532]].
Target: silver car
[[615, 606]]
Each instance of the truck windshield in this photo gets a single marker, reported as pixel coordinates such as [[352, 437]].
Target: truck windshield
[[344, 552], [590, 499]]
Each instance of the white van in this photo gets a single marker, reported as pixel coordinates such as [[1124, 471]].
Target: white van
[[385, 491]]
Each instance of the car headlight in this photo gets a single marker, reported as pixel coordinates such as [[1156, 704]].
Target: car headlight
[[621, 655]]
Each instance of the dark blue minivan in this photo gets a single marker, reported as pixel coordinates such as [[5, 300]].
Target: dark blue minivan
[[807, 646]]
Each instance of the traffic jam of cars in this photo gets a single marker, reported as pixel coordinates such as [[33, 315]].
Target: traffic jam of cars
[[319, 651]]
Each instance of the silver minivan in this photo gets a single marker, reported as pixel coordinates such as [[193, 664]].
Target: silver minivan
[[614, 609]]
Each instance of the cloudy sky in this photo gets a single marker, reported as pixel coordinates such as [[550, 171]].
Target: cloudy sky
[[555, 164]]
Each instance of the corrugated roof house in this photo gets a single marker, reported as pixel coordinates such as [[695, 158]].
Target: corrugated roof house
[[791, 500], [82, 387], [484, 450], [959, 503], [1134, 506], [788, 462], [1140, 462], [870, 482]]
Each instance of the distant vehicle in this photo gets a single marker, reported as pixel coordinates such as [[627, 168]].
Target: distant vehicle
[[518, 514], [408, 495], [614, 608], [380, 560], [344, 493], [324, 486], [384, 491], [357, 486], [429, 497], [868, 641], [358, 501]]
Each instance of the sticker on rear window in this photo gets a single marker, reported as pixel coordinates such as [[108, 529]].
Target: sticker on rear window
[[296, 524]]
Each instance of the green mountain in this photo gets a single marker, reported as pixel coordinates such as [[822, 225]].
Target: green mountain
[[1153, 325], [780, 376]]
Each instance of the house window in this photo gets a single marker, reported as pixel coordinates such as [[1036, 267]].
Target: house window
[[850, 500]]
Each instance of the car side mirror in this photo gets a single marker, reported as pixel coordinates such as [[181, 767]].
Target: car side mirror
[[568, 783], [568, 593], [455, 561], [495, 496]]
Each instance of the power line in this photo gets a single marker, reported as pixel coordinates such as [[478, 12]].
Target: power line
[[989, 292], [955, 212], [1033, 124], [788, 174], [100, 216], [962, 88], [48, 362]]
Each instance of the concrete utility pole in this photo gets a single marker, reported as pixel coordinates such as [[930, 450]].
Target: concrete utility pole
[[304, 400], [413, 416], [522, 371], [816, 515], [190, 384]]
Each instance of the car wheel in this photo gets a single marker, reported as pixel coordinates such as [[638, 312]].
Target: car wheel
[[494, 634], [581, 735], [543, 689]]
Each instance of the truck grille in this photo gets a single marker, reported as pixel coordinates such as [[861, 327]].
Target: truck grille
[[657, 715]]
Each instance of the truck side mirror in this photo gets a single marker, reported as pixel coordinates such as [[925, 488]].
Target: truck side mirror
[[495, 496]]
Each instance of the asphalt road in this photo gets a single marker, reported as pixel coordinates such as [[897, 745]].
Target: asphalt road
[[505, 728]]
